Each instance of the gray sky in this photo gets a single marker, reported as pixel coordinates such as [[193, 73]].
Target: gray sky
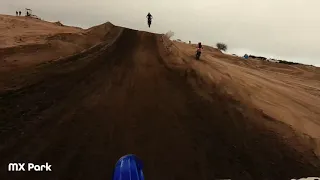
[[286, 29]]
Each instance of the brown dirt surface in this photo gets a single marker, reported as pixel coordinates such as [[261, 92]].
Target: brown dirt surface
[[136, 92], [28, 41], [288, 93]]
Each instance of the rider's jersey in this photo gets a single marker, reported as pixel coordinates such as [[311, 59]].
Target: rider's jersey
[[149, 16], [199, 47]]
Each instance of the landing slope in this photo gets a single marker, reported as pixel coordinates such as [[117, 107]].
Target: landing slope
[[289, 94], [126, 96]]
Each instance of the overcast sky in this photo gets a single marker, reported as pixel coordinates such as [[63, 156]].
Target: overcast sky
[[286, 29]]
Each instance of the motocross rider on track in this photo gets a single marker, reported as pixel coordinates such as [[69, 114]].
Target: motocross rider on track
[[149, 16], [199, 50], [199, 47]]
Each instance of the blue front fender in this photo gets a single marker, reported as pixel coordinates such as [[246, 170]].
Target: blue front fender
[[128, 167]]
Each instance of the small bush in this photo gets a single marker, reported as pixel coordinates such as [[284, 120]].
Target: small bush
[[222, 46]]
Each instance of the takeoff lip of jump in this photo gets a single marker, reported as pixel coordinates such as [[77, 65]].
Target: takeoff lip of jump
[[21, 167]]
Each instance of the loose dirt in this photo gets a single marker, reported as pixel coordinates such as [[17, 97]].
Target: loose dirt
[[136, 92]]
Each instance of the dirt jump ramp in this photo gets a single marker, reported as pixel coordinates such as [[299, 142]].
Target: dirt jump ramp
[[83, 114]]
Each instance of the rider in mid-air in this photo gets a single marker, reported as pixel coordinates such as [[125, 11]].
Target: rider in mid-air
[[149, 16]]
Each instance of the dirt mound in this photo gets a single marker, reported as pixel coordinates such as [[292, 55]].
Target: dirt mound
[[99, 32], [24, 30], [32, 42], [288, 93], [58, 23], [139, 93], [100, 28]]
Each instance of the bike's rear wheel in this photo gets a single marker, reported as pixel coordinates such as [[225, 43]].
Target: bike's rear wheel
[[198, 55]]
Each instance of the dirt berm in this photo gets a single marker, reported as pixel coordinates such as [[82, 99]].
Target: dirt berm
[[82, 113]]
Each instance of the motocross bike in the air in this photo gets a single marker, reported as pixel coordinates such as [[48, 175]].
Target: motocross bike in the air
[[149, 17], [149, 22]]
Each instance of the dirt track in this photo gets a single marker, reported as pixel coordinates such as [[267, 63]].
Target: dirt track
[[84, 113]]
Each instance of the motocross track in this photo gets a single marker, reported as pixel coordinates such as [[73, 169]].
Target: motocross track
[[81, 114]]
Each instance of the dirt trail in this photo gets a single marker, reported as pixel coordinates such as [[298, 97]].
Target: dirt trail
[[82, 114]]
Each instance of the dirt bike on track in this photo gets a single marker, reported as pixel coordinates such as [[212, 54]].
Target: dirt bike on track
[[198, 53]]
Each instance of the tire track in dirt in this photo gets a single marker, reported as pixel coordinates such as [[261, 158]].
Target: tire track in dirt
[[127, 100]]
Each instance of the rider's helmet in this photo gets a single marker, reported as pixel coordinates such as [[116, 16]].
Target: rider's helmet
[[199, 46]]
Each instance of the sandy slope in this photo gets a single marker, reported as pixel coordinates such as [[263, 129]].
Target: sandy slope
[[135, 92], [27, 41], [23, 30], [290, 94]]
